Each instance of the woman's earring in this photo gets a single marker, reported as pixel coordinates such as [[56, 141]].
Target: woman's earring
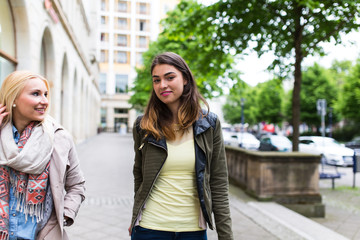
[[14, 105]]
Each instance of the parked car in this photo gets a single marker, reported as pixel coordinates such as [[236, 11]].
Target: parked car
[[245, 140], [275, 143], [354, 144], [332, 152]]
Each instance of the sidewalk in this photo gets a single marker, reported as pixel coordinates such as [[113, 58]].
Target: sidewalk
[[107, 160]]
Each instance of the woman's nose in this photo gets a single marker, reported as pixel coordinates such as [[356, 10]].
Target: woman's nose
[[44, 100], [163, 84]]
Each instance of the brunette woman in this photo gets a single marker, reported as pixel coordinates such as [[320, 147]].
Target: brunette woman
[[180, 169], [42, 185]]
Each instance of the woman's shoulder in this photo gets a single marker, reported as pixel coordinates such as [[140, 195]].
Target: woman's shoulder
[[210, 117], [58, 131]]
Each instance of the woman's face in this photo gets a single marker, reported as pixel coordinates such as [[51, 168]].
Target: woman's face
[[32, 102], [168, 84]]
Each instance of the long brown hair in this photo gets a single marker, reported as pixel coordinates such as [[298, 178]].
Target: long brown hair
[[158, 119]]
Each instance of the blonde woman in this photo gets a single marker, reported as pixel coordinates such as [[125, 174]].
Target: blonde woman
[[42, 184]]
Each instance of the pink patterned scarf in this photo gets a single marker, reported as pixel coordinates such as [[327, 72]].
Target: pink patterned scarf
[[29, 189]]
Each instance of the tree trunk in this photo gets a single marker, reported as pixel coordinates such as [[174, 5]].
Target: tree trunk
[[297, 79]]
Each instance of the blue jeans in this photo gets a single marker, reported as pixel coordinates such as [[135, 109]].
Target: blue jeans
[[140, 233]]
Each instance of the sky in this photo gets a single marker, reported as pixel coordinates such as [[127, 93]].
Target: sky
[[254, 68]]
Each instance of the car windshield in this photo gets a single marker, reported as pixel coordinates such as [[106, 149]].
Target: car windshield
[[246, 136], [326, 142], [280, 140]]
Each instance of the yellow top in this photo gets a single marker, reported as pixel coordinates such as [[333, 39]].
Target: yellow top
[[173, 204]]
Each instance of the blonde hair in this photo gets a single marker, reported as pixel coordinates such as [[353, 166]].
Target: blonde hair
[[11, 88]]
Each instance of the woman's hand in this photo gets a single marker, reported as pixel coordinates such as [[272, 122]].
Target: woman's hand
[[2, 113], [129, 229]]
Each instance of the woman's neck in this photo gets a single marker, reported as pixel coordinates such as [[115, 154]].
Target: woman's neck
[[20, 125]]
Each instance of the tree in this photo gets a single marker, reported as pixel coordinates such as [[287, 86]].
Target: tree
[[210, 66], [318, 83], [350, 97], [292, 29], [232, 107], [269, 101]]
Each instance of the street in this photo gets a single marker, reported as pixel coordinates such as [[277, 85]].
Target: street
[[107, 158]]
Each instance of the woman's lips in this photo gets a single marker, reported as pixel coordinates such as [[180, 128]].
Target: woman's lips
[[165, 94]]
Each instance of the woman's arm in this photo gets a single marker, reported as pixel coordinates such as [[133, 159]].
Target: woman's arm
[[137, 170], [74, 183], [219, 185]]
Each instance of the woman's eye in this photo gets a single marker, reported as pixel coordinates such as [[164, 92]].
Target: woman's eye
[[35, 94], [171, 78], [46, 95], [156, 80]]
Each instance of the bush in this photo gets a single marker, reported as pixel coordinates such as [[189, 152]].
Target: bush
[[347, 133]]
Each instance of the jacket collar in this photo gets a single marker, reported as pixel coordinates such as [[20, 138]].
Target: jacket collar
[[200, 126]]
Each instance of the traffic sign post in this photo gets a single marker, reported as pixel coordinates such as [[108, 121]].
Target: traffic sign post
[[321, 110], [356, 166]]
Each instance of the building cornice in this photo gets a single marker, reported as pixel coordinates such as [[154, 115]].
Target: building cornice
[[82, 9], [68, 29]]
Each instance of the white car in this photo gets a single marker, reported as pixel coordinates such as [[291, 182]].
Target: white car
[[331, 151], [237, 139]]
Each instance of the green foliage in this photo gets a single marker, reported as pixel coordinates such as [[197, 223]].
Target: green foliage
[[347, 132], [210, 66], [262, 102], [232, 107], [292, 29], [350, 97], [269, 101], [317, 83], [272, 25]]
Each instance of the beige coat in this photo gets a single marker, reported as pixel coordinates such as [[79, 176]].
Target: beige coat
[[65, 174]]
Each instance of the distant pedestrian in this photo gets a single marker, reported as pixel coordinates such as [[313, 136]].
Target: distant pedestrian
[[180, 169], [42, 186]]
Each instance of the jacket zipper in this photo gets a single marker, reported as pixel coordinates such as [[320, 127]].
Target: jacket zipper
[[152, 185]]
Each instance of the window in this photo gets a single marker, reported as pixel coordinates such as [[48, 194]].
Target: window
[[7, 41], [103, 56], [103, 37], [122, 23], [103, 5], [103, 117], [139, 59], [143, 8], [102, 83], [142, 42], [103, 20], [121, 83], [120, 110], [142, 26], [122, 6], [121, 57], [122, 40]]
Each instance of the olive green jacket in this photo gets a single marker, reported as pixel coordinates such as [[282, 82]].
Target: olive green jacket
[[210, 166]]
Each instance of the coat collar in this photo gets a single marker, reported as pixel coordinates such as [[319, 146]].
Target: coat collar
[[200, 126]]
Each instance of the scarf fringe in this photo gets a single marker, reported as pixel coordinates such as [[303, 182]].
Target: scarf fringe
[[4, 236], [30, 210]]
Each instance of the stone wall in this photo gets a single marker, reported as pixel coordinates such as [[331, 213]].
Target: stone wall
[[291, 179]]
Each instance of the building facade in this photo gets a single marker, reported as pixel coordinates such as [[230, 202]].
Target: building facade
[[56, 39], [125, 30]]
